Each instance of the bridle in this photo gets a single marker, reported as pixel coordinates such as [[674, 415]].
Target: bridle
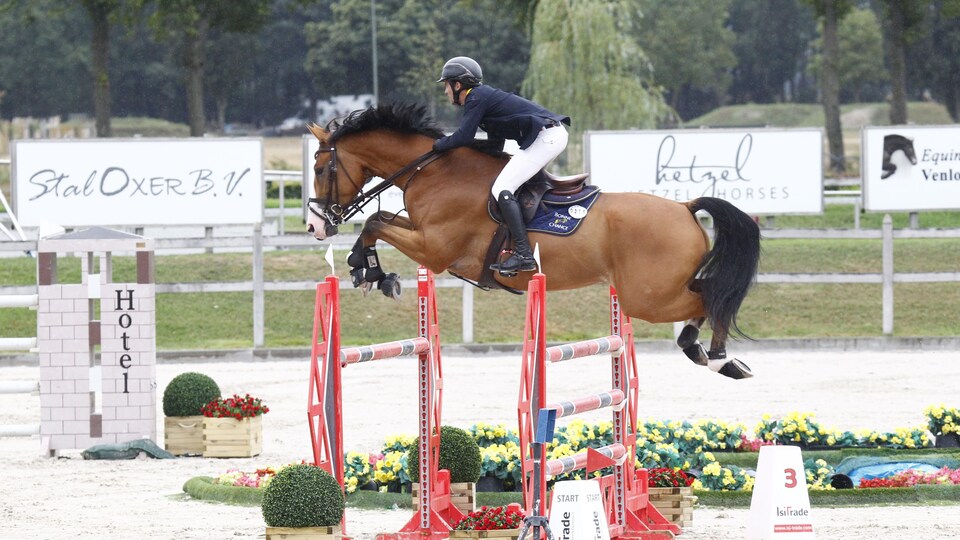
[[335, 214]]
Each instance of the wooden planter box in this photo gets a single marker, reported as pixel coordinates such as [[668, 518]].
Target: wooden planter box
[[305, 533], [463, 495], [183, 435], [675, 503], [500, 533], [229, 437]]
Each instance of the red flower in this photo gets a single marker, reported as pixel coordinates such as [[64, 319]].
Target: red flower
[[235, 407]]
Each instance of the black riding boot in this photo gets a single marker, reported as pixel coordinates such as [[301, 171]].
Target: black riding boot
[[522, 258]]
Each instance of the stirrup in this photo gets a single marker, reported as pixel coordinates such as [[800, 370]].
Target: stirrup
[[514, 264]]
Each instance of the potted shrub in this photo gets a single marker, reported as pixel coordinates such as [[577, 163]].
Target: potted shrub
[[233, 427], [183, 400], [490, 522], [459, 454], [944, 423], [671, 493], [303, 502]]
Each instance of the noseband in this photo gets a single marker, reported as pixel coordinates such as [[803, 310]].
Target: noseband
[[335, 214]]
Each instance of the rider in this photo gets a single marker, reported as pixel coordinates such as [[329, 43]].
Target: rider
[[539, 132]]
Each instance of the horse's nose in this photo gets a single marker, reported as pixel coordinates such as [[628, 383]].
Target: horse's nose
[[309, 227]]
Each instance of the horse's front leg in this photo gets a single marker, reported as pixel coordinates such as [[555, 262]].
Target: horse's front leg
[[365, 268]]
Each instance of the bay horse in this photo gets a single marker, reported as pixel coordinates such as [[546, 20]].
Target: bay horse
[[652, 250]]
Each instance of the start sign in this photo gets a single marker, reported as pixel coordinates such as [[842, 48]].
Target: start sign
[[576, 511]]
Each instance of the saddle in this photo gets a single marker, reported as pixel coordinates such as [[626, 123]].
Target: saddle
[[530, 196]]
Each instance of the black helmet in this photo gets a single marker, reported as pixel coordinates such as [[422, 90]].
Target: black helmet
[[463, 69]]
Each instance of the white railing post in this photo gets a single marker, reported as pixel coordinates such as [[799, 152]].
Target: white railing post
[[887, 275], [258, 287], [467, 320]]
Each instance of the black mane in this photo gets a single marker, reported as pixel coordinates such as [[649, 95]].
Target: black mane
[[405, 118]]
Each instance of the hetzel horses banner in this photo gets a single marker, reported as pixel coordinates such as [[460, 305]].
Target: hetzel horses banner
[[911, 168], [138, 182], [761, 171]]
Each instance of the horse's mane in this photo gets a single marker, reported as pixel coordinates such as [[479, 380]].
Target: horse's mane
[[405, 118]]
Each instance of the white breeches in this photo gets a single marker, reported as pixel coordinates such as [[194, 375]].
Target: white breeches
[[525, 163]]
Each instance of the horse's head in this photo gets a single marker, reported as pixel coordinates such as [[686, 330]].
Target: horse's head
[[362, 145], [327, 207]]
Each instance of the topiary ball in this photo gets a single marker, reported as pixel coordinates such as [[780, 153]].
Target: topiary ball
[[459, 454], [187, 393], [302, 496]]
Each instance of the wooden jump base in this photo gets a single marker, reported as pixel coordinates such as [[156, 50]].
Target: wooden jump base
[[436, 514], [626, 499]]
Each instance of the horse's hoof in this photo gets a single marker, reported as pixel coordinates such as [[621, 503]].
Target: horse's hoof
[[390, 286], [697, 353], [688, 338], [356, 277], [733, 368], [365, 288]]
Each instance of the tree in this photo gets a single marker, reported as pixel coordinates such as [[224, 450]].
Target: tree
[[99, 13], [690, 48], [585, 63], [191, 21], [860, 62], [936, 58], [903, 22], [831, 12], [415, 37], [771, 65]]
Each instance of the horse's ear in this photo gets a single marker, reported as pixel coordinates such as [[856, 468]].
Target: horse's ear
[[318, 132]]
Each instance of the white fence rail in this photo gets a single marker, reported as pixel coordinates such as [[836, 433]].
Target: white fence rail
[[19, 344]]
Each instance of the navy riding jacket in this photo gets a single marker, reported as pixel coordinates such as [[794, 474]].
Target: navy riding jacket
[[502, 115]]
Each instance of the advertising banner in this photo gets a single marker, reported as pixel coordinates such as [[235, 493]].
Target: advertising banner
[[137, 182], [761, 171], [911, 168]]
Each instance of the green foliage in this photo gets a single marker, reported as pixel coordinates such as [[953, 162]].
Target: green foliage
[[698, 33], [459, 454], [860, 62], [187, 393], [302, 496], [203, 488], [586, 63]]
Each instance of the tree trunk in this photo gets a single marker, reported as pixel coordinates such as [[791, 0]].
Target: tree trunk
[[221, 113], [898, 70], [831, 87], [194, 44], [101, 78]]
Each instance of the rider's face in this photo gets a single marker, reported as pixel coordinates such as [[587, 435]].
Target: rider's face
[[448, 90]]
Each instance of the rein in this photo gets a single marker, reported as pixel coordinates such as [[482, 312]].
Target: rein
[[336, 214]]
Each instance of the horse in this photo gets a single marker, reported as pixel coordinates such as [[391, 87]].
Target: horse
[[654, 251], [891, 144]]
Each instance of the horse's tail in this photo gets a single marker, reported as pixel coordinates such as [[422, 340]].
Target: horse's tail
[[727, 271]]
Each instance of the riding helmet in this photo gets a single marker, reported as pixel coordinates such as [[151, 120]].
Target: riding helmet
[[463, 69]]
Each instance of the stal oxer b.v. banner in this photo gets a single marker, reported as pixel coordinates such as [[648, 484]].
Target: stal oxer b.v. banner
[[911, 168], [761, 171], [137, 182]]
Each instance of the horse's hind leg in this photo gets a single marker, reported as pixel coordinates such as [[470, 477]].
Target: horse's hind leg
[[718, 361], [690, 344]]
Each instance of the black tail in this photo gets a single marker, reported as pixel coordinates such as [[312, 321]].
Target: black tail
[[728, 270]]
